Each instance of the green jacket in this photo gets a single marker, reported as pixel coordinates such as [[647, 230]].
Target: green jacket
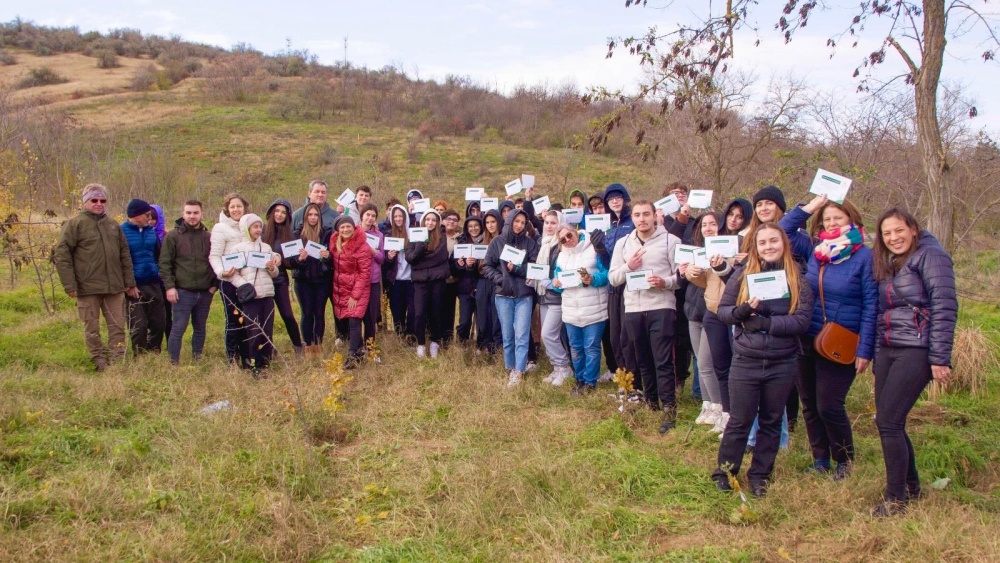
[[184, 258], [92, 256]]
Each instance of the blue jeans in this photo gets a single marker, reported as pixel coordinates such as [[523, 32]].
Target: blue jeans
[[782, 444], [515, 324], [193, 306], [585, 350]]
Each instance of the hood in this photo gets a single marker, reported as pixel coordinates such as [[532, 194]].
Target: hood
[[508, 225], [496, 215], [226, 220], [161, 221], [468, 208], [180, 224], [406, 215], [277, 202], [506, 203], [411, 193], [246, 221], [465, 226], [583, 244], [586, 208], [431, 212], [744, 206], [599, 195], [616, 189]]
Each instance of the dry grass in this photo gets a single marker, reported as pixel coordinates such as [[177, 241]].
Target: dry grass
[[974, 356], [82, 72]]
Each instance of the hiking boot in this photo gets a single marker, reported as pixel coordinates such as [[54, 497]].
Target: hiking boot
[[842, 472], [582, 389], [888, 508], [819, 466], [722, 482], [669, 419], [758, 489]]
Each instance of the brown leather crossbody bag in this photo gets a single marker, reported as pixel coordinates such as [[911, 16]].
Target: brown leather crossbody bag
[[834, 342]]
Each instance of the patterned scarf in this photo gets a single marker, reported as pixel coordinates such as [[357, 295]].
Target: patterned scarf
[[839, 245]]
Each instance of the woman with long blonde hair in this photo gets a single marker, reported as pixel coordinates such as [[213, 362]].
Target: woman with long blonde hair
[[766, 346]]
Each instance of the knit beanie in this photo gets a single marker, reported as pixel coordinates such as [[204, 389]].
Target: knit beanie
[[770, 193], [137, 207], [94, 190], [344, 218]]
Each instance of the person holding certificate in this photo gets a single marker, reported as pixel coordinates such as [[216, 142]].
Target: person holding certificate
[[430, 269], [277, 231], [398, 272], [351, 257], [225, 236], [489, 336], [513, 294], [584, 304], [618, 350], [843, 283], [465, 270], [550, 301], [650, 314], [313, 279], [258, 313], [369, 220], [917, 311], [766, 343]]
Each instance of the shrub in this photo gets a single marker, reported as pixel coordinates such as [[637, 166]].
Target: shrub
[[41, 76], [144, 78], [107, 59], [6, 58]]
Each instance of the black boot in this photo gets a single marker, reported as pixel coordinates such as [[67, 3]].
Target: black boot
[[669, 419]]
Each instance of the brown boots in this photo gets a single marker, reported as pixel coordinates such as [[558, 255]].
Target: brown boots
[[314, 351]]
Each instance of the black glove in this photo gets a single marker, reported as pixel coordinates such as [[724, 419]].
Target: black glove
[[597, 238], [743, 312], [757, 323]]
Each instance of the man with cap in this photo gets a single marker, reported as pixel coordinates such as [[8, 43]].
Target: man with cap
[[318, 195], [95, 268], [146, 314]]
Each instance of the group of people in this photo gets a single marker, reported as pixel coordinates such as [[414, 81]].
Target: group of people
[[519, 282]]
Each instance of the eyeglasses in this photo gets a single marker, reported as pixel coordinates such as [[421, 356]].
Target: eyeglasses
[[451, 220], [96, 200]]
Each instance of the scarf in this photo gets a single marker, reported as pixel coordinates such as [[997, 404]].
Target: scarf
[[544, 251], [839, 245]]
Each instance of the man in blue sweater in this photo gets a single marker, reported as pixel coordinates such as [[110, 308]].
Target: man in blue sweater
[[146, 314]]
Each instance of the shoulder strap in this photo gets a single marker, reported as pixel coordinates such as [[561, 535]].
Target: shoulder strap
[[822, 301]]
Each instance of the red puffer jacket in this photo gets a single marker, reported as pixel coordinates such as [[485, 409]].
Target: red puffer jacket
[[352, 268]]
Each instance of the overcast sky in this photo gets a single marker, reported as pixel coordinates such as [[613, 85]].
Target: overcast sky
[[505, 43]]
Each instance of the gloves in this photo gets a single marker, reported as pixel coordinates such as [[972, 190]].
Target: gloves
[[743, 312], [757, 324], [597, 238]]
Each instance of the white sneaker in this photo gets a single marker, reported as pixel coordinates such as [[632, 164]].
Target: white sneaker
[[559, 379], [338, 342], [720, 425], [421, 351], [714, 412], [551, 377], [515, 379], [606, 377], [532, 366], [434, 349], [703, 413]]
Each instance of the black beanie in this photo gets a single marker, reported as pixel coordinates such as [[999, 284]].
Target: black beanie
[[344, 218], [770, 193], [137, 207]]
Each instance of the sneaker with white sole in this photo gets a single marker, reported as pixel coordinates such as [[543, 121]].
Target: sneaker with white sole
[[720, 425], [435, 348], [551, 377], [605, 377], [713, 414], [514, 379], [532, 366], [421, 351], [704, 413]]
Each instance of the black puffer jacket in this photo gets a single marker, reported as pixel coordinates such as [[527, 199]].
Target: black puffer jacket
[[780, 339], [428, 265], [510, 283], [466, 275], [918, 306], [313, 269]]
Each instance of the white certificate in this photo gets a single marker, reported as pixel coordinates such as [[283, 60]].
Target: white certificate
[[314, 248], [373, 240], [541, 204], [700, 199], [570, 278], [538, 271], [513, 187], [727, 247], [346, 198], [668, 204], [600, 221], [474, 194], [684, 254], [463, 251], [291, 249], [768, 285], [479, 251], [236, 260], [513, 255], [417, 234], [489, 203], [638, 280], [573, 216], [834, 186], [527, 181], [421, 205], [393, 243], [258, 259], [701, 258]]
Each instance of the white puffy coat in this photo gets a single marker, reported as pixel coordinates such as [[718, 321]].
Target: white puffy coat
[[585, 305], [225, 236]]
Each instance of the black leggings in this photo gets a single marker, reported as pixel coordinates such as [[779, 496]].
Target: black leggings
[[428, 304], [466, 312], [489, 334], [235, 331], [401, 305], [900, 377], [259, 321], [718, 334], [284, 305], [374, 308], [823, 387], [312, 298]]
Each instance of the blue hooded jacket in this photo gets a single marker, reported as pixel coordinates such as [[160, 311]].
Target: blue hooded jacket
[[144, 247], [620, 226]]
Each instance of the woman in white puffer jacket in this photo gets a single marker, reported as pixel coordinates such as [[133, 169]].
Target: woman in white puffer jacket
[[584, 305], [225, 236]]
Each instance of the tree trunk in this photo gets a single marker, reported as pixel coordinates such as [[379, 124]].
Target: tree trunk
[[941, 214]]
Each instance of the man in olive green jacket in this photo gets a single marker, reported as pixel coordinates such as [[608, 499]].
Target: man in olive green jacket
[[95, 268]]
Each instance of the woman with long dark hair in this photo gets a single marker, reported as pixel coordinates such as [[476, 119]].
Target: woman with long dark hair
[[399, 274], [429, 261], [278, 230], [917, 311], [313, 278], [466, 271], [550, 302], [766, 344], [489, 335]]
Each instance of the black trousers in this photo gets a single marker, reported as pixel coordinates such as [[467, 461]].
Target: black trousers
[[466, 314], [354, 331], [652, 335], [682, 346], [448, 308], [147, 319], [823, 387], [259, 320], [623, 352], [489, 335], [428, 298], [235, 331], [283, 302], [401, 305], [900, 377], [718, 334], [374, 308], [313, 296], [759, 390]]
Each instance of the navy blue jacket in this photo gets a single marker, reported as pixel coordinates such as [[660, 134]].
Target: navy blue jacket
[[849, 288], [144, 246], [918, 306], [621, 227]]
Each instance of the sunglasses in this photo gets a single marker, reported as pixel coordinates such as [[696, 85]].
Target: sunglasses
[[95, 200], [565, 238]]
